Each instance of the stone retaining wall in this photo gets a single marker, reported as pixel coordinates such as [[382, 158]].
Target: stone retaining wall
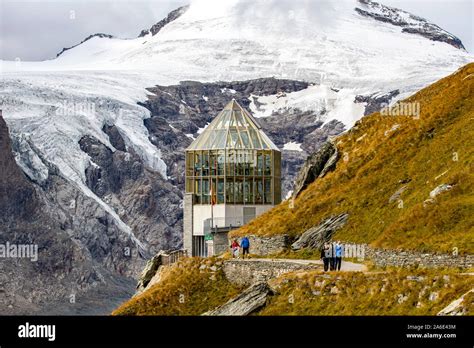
[[405, 258], [247, 272], [381, 257], [268, 245]]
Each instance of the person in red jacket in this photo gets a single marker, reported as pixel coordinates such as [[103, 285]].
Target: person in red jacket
[[235, 248]]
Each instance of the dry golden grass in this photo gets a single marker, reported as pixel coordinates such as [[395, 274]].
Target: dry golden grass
[[184, 289], [392, 292], [437, 148]]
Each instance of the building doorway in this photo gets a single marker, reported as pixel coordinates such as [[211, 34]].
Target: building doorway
[[199, 246]]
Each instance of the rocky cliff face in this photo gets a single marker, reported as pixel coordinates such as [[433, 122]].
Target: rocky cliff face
[[315, 166], [87, 273], [407, 22], [158, 26]]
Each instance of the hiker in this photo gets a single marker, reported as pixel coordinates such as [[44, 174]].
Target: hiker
[[338, 256], [332, 256], [245, 244], [235, 249], [325, 256]]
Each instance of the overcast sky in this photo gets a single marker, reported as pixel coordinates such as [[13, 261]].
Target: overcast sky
[[38, 29]]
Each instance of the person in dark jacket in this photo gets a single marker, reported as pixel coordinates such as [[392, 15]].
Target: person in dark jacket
[[325, 256], [245, 245], [332, 251]]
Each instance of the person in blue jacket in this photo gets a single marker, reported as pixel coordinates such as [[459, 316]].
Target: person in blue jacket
[[245, 245], [338, 256]]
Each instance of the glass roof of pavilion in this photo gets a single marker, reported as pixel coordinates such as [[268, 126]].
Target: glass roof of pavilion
[[233, 128]]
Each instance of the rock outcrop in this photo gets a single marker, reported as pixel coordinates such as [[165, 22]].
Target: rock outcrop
[[440, 189], [160, 25], [150, 270], [457, 307], [315, 237], [99, 35], [409, 23], [397, 194], [250, 300], [316, 166], [376, 101], [18, 199]]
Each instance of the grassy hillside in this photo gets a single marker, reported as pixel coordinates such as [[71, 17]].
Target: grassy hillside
[[190, 287], [392, 292], [381, 154]]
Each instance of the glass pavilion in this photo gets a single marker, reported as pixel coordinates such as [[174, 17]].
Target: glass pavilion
[[231, 163], [235, 161]]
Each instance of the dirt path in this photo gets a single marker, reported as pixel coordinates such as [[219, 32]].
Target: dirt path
[[346, 265]]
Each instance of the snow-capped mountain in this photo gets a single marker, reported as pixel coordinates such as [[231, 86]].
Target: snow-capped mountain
[[110, 117]]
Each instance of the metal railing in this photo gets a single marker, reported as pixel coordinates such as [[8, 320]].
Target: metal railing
[[173, 256]]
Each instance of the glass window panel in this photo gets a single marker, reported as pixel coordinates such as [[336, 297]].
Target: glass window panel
[[220, 139], [229, 191], [231, 120], [205, 164], [220, 191], [197, 164], [213, 163], [259, 163], [254, 138], [230, 163], [239, 167], [268, 164], [223, 120], [189, 164], [197, 187], [252, 162], [235, 142], [239, 191], [238, 118], [205, 191], [259, 191], [268, 191], [220, 162], [245, 139], [248, 191]]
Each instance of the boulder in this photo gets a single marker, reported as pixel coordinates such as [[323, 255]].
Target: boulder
[[456, 307], [247, 302], [397, 194], [316, 236], [440, 189], [316, 166], [149, 271]]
